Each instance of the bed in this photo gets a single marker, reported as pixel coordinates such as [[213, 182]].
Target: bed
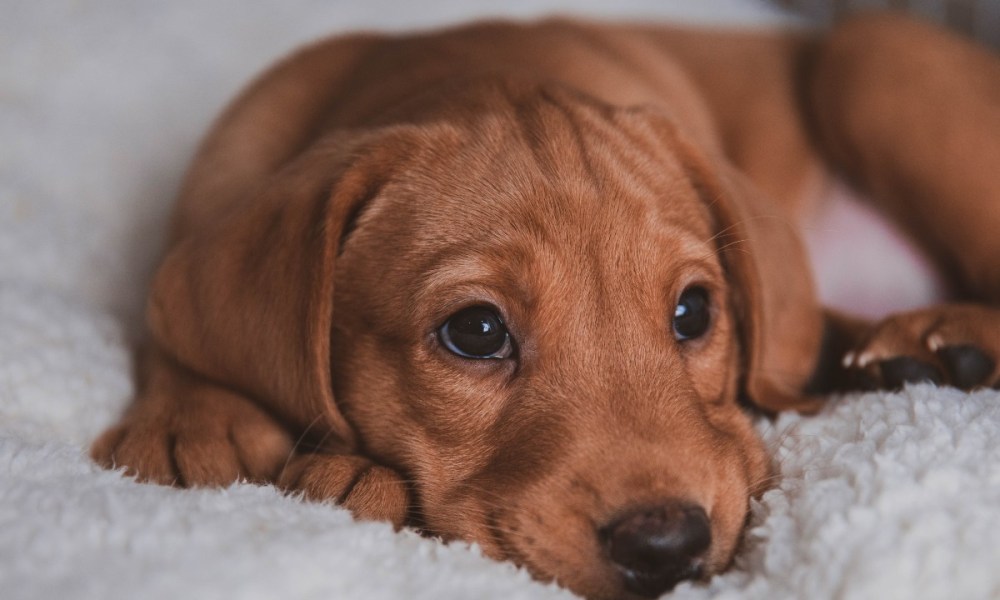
[[882, 495]]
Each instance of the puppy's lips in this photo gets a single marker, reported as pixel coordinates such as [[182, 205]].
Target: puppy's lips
[[623, 582]]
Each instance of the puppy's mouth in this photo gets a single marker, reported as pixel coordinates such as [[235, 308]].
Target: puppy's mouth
[[640, 553]]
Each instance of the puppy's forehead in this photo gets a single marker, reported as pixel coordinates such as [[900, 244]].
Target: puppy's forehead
[[548, 168]]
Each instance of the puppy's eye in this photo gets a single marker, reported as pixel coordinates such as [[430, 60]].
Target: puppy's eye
[[692, 315], [476, 332]]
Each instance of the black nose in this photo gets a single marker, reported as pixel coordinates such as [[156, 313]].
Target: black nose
[[657, 547]]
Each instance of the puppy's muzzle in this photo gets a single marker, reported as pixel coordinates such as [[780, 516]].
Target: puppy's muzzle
[[655, 548]]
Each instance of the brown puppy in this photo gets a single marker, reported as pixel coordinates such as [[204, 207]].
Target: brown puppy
[[509, 283]]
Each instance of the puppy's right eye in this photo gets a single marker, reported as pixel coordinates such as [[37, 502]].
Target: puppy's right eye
[[476, 332]]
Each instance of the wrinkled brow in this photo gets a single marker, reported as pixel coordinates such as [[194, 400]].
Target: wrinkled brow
[[482, 275]]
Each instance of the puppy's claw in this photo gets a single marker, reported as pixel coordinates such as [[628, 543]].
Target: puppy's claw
[[934, 342]]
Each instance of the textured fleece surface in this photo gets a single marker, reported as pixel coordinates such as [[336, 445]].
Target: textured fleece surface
[[101, 104]]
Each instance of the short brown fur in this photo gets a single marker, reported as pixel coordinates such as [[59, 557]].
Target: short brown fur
[[577, 177]]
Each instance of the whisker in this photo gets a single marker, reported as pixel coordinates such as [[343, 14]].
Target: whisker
[[298, 442]]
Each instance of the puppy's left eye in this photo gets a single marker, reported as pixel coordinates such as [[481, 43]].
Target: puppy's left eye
[[476, 332], [692, 315]]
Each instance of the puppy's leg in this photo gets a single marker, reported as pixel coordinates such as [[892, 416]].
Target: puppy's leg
[[912, 114], [370, 491], [183, 430], [953, 344]]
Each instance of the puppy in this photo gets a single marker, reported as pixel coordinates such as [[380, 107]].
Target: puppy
[[520, 284]]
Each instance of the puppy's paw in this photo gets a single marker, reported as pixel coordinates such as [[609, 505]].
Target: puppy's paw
[[212, 439], [956, 345], [370, 491]]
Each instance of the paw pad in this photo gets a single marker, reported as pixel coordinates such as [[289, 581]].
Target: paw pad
[[903, 369], [967, 365]]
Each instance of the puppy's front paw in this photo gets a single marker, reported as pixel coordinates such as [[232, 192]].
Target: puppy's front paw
[[955, 345], [370, 491], [212, 439]]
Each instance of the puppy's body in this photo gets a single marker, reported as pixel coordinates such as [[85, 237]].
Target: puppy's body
[[593, 189]]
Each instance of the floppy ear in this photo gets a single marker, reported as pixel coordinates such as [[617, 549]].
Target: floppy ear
[[246, 300], [779, 318]]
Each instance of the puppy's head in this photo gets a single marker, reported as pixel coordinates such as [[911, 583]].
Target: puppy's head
[[543, 314]]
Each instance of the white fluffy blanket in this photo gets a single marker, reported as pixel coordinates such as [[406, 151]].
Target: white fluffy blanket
[[101, 103]]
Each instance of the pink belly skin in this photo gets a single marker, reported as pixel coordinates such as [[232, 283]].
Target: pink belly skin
[[863, 263]]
